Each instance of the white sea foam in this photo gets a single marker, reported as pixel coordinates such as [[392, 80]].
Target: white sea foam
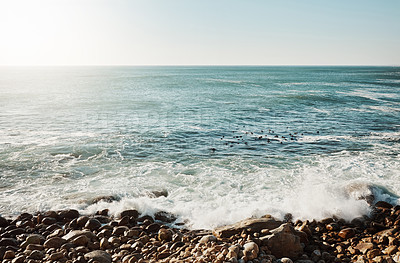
[[211, 194]]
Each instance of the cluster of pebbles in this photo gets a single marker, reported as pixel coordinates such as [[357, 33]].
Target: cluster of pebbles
[[67, 236]]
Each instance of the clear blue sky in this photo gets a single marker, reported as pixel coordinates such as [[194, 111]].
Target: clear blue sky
[[199, 32]]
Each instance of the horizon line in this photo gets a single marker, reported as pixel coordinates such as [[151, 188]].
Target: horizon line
[[204, 65]]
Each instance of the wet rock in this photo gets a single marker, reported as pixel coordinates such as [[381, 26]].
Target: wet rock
[[32, 247], [304, 228], [102, 219], [130, 213], [120, 230], [19, 259], [69, 214], [104, 244], [75, 233], [347, 233], [81, 221], [165, 217], [250, 225], [207, 239], [9, 254], [92, 224], [54, 242], [81, 240], [285, 260], [164, 254], [361, 191], [156, 194], [8, 242], [3, 222], [56, 256], [283, 242], [383, 204], [35, 239], [333, 227], [165, 234], [106, 198], [152, 228], [99, 255], [36, 254], [250, 250], [49, 220]]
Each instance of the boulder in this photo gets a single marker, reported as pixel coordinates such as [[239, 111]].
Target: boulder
[[283, 242], [250, 225]]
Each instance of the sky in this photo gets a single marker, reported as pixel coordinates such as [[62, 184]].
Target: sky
[[199, 32]]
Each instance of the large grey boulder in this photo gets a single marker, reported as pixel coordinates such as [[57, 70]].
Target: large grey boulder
[[250, 225]]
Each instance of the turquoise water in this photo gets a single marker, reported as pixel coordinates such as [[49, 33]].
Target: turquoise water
[[225, 142]]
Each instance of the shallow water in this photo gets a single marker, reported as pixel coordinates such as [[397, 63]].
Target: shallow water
[[71, 134]]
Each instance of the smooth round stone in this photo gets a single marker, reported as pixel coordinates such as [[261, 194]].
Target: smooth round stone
[[119, 230], [56, 256], [34, 239], [54, 242], [81, 221], [164, 234], [99, 255], [81, 240], [93, 224]]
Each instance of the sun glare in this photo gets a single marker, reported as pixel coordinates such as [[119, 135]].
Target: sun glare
[[31, 30]]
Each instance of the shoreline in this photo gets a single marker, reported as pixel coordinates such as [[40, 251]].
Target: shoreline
[[67, 236]]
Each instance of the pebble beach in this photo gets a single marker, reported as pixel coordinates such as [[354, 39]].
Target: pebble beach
[[68, 237]]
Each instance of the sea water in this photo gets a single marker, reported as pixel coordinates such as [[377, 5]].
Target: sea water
[[222, 143]]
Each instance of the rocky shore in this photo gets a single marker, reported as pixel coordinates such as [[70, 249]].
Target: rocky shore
[[67, 236]]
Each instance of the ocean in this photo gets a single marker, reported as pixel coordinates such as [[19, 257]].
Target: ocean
[[212, 145]]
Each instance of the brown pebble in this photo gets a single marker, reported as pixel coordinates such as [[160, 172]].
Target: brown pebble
[[347, 233], [92, 224], [119, 230], [56, 256], [19, 259], [104, 244], [54, 242], [9, 254], [81, 240], [34, 247], [81, 221], [165, 234]]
